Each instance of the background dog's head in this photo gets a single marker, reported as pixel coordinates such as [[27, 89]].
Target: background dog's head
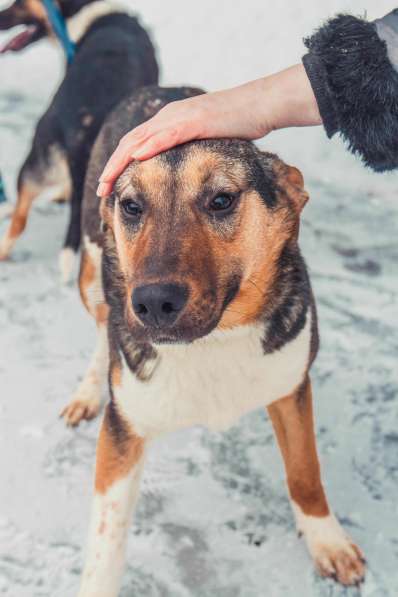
[[197, 233], [32, 15]]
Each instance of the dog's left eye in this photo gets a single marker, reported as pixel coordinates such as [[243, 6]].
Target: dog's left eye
[[222, 202], [132, 209]]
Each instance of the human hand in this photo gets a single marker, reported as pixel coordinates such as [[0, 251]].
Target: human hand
[[249, 111]]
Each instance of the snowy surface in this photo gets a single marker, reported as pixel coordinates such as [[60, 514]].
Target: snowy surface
[[214, 519]]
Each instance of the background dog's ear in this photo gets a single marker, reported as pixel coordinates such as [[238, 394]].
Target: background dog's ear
[[290, 180]]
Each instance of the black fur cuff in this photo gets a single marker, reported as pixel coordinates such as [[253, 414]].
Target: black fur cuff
[[356, 88]]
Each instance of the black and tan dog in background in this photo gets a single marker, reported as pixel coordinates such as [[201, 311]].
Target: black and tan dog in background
[[114, 57], [205, 312]]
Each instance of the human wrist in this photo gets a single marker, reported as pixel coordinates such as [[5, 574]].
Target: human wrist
[[288, 99]]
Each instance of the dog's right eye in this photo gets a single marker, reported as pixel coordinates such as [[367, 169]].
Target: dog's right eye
[[132, 209], [222, 203]]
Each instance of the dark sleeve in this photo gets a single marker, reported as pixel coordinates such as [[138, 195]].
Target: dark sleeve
[[352, 65]]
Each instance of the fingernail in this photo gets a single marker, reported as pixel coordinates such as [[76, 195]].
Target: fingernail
[[101, 189]]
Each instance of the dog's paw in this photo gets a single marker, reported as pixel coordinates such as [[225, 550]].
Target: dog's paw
[[79, 410], [66, 263], [344, 562], [334, 553]]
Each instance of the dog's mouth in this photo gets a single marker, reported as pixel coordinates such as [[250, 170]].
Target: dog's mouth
[[182, 333], [163, 339], [24, 38]]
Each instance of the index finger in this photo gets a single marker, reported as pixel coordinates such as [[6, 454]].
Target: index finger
[[118, 161], [121, 157]]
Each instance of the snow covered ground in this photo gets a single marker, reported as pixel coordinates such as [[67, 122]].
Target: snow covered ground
[[213, 519]]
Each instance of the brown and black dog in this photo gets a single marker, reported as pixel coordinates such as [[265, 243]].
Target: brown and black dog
[[114, 57], [195, 278]]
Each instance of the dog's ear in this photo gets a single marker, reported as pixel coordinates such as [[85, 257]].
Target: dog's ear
[[290, 181]]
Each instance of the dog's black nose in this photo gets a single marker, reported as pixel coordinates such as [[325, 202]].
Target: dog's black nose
[[159, 305]]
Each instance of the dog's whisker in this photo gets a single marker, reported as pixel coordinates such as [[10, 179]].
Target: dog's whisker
[[238, 312], [255, 285]]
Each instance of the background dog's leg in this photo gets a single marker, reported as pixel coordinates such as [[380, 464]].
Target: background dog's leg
[[120, 455], [333, 551], [86, 401], [27, 192], [73, 235], [5, 206]]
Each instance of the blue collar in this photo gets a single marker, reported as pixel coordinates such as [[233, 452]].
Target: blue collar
[[59, 26]]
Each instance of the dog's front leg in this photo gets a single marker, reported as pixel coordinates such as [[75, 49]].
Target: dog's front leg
[[120, 454], [333, 551]]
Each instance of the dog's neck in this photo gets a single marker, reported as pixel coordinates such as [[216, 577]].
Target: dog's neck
[[82, 21]]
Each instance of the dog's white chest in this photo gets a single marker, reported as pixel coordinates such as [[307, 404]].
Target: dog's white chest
[[213, 381]]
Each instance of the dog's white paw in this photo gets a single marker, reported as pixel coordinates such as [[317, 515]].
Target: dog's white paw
[[85, 404], [66, 264], [334, 553], [79, 410]]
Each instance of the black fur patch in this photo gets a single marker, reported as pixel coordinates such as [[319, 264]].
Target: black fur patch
[[302, 393], [264, 182], [118, 429], [173, 157], [291, 299], [232, 291], [71, 7], [356, 85]]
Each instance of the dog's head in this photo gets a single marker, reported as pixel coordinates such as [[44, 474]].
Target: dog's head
[[32, 15], [196, 234]]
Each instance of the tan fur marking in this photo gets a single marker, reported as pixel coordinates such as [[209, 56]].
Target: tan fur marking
[[37, 10], [292, 418], [114, 462], [101, 313], [18, 219], [201, 165], [86, 278], [20, 215], [116, 375], [35, 7], [259, 243], [152, 170]]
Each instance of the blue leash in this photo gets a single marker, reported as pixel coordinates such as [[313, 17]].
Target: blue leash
[[59, 26], [3, 197]]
